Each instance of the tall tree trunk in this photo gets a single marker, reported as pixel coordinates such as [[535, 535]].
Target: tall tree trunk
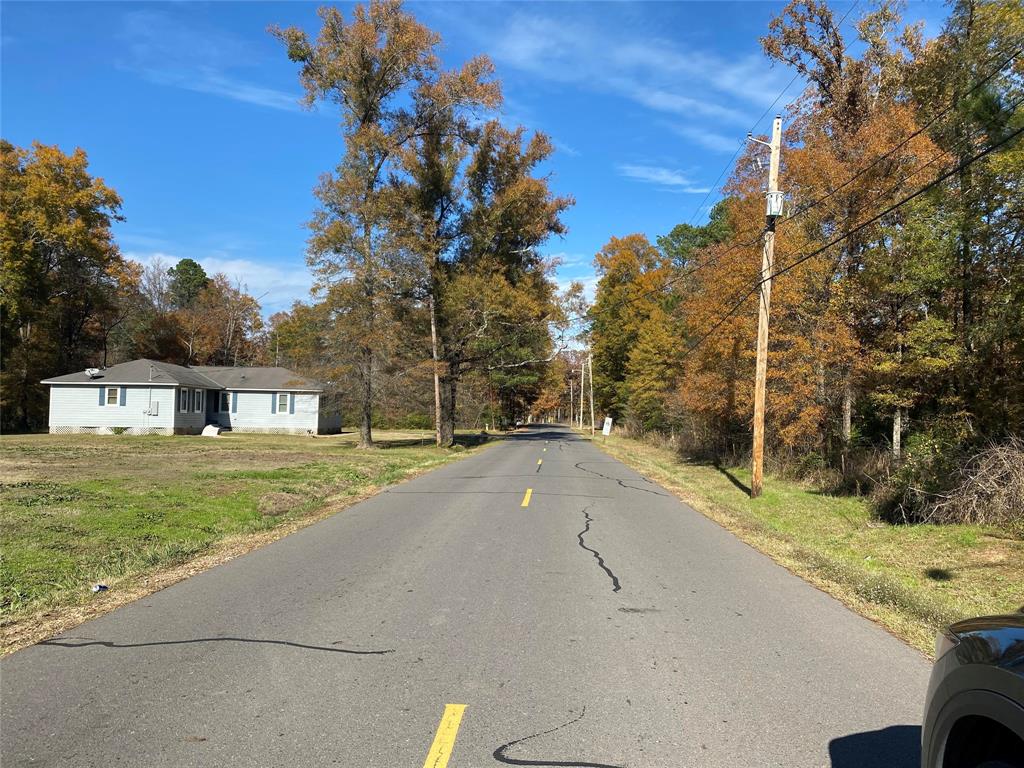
[[449, 385], [845, 429], [897, 433], [366, 396], [437, 378], [366, 352]]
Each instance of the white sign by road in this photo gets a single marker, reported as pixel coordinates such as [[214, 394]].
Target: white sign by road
[[607, 428]]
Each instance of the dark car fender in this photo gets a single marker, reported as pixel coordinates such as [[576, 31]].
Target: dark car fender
[[973, 690]]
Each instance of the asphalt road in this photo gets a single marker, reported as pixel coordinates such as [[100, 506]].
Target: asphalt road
[[603, 624]]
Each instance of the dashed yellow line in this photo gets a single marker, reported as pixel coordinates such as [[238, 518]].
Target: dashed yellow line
[[526, 497], [444, 740]]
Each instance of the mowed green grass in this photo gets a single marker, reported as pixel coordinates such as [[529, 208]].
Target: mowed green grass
[[83, 509], [911, 578]]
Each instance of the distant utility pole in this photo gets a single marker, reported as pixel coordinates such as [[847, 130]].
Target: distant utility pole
[[572, 410], [590, 370], [583, 370], [773, 210]]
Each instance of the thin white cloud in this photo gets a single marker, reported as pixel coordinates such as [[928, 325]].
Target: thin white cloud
[[678, 104], [275, 286], [675, 180], [211, 81], [565, 149], [166, 51], [659, 74], [716, 142], [589, 283], [566, 259]]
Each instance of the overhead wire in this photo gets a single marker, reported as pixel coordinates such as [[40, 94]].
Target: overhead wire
[[739, 148], [864, 224], [804, 209]]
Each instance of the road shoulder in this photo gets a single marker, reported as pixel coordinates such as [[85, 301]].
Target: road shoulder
[[24, 628], [909, 584]]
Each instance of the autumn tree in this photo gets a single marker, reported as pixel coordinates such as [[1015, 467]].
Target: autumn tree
[[633, 277], [496, 302], [968, 84], [852, 122], [60, 272], [379, 68]]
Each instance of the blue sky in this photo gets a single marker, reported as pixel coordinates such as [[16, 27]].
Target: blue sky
[[190, 111]]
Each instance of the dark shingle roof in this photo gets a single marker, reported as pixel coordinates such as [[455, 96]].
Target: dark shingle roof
[[139, 372], [259, 378], [206, 376]]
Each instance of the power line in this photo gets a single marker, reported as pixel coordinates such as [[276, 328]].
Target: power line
[[757, 122], [935, 182], [930, 185], [962, 143], [804, 209]]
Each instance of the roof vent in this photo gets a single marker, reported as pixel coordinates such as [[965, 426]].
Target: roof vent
[[92, 373]]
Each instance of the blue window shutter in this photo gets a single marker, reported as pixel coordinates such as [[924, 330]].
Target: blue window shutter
[[124, 395], [103, 395], [234, 402], [273, 402], [291, 403]]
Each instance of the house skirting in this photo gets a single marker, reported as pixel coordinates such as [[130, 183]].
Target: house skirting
[[75, 430]]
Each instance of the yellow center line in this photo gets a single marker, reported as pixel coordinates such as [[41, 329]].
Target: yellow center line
[[444, 740], [526, 497]]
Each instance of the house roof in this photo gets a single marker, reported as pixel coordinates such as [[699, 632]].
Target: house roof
[[139, 372], [154, 372], [280, 379]]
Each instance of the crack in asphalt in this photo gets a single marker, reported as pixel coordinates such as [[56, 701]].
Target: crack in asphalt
[[85, 642], [597, 555], [622, 483], [501, 757]]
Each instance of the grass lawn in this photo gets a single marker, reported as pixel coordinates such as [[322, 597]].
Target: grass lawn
[[911, 579], [83, 509]]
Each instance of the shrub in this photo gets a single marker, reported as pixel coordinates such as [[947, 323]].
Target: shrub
[[989, 489], [948, 484]]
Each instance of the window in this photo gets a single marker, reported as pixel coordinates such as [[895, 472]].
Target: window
[[225, 402], [282, 402], [111, 395], [197, 404], [182, 400]]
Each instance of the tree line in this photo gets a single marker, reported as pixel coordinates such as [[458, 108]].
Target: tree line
[[896, 349], [432, 303], [425, 240], [70, 299]]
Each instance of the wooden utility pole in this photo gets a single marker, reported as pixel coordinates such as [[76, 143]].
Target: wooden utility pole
[[590, 370], [773, 211], [572, 411], [583, 370]]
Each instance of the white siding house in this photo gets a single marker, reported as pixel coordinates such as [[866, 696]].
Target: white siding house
[[135, 409], [270, 411], [150, 397]]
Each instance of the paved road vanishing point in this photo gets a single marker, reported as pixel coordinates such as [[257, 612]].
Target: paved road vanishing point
[[536, 604]]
